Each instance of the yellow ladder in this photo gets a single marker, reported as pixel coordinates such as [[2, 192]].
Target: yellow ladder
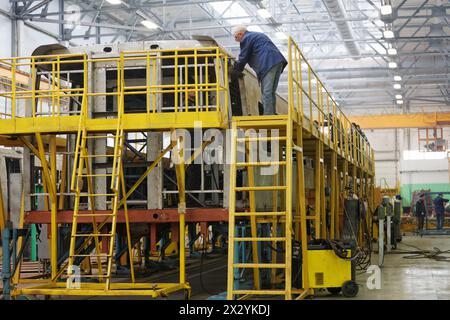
[[83, 172], [281, 186]]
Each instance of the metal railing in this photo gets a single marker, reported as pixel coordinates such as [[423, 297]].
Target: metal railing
[[310, 100], [187, 80]]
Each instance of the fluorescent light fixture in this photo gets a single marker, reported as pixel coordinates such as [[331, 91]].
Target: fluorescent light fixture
[[392, 65], [386, 10], [264, 13], [281, 35], [114, 1], [397, 78], [388, 34], [398, 96], [397, 86], [399, 101], [150, 24], [392, 51]]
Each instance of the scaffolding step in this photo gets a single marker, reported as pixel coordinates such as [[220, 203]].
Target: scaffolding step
[[262, 164], [100, 137], [97, 156], [261, 188], [268, 213], [94, 276], [260, 239], [259, 292], [97, 175], [250, 139], [81, 235], [97, 195], [94, 215], [103, 255], [260, 265]]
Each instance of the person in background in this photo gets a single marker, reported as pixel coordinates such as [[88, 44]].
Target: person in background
[[265, 59], [439, 208], [420, 212]]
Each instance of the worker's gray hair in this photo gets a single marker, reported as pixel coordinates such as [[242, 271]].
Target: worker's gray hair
[[239, 28]]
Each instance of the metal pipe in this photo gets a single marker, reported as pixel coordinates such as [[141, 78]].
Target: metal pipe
[[337, 12]]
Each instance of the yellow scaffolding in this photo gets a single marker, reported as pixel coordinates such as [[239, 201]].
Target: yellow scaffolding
[[42, 108], [314, 126]]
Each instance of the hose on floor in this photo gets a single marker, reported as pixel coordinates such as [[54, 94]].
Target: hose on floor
[[435, 254]]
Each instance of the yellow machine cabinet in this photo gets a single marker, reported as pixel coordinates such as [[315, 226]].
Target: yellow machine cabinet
[[327, 270]]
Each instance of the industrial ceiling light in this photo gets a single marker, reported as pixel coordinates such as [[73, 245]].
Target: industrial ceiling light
[[386, 10], [392, 65], [388, 34], [399, 101], [397, 78], [114, 1], [397, 86], [398, 96], [149, 24], [264, 13], [392, 51], [281, 35]]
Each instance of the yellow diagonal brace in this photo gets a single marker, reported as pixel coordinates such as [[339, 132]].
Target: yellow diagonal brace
[[45, 166], [127, 224], [198, 151], [147, 172]]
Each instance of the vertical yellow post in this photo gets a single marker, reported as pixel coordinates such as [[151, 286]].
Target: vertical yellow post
[[302, 208], [196, 79], [274, 222], [333, 196], [62, 187], [13, 88], [180, 173], [252, 202], [176, 79], [322, 193], [33, 88], [317, 187], [337, 223], [288, 226], [127, 223], [148, 81], [54, 208], [345, 191], [231, 210]]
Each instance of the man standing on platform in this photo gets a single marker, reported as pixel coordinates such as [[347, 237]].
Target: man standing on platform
[[264, 57]]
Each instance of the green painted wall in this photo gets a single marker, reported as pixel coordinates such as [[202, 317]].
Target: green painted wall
[[406, 190]]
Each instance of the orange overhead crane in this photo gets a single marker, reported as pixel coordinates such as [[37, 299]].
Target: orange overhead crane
[[412, 120]]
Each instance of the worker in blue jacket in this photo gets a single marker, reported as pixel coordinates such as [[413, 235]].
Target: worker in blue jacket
[[264, 57], [439, 208]]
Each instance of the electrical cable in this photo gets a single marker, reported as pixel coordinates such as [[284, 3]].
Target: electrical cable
[[436, 254]]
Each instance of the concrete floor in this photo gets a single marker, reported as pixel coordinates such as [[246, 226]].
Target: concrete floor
[[401, 279], [411, 279]]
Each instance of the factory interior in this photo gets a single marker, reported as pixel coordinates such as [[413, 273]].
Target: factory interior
[[139, 158]]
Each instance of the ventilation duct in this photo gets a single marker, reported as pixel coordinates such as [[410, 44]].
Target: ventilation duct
[[337, 12]]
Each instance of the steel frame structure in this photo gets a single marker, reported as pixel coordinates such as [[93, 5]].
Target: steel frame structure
[[420, 40], [48, 114], [313, 126]]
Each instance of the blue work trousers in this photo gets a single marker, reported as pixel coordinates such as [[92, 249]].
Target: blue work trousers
[[269, 86]]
